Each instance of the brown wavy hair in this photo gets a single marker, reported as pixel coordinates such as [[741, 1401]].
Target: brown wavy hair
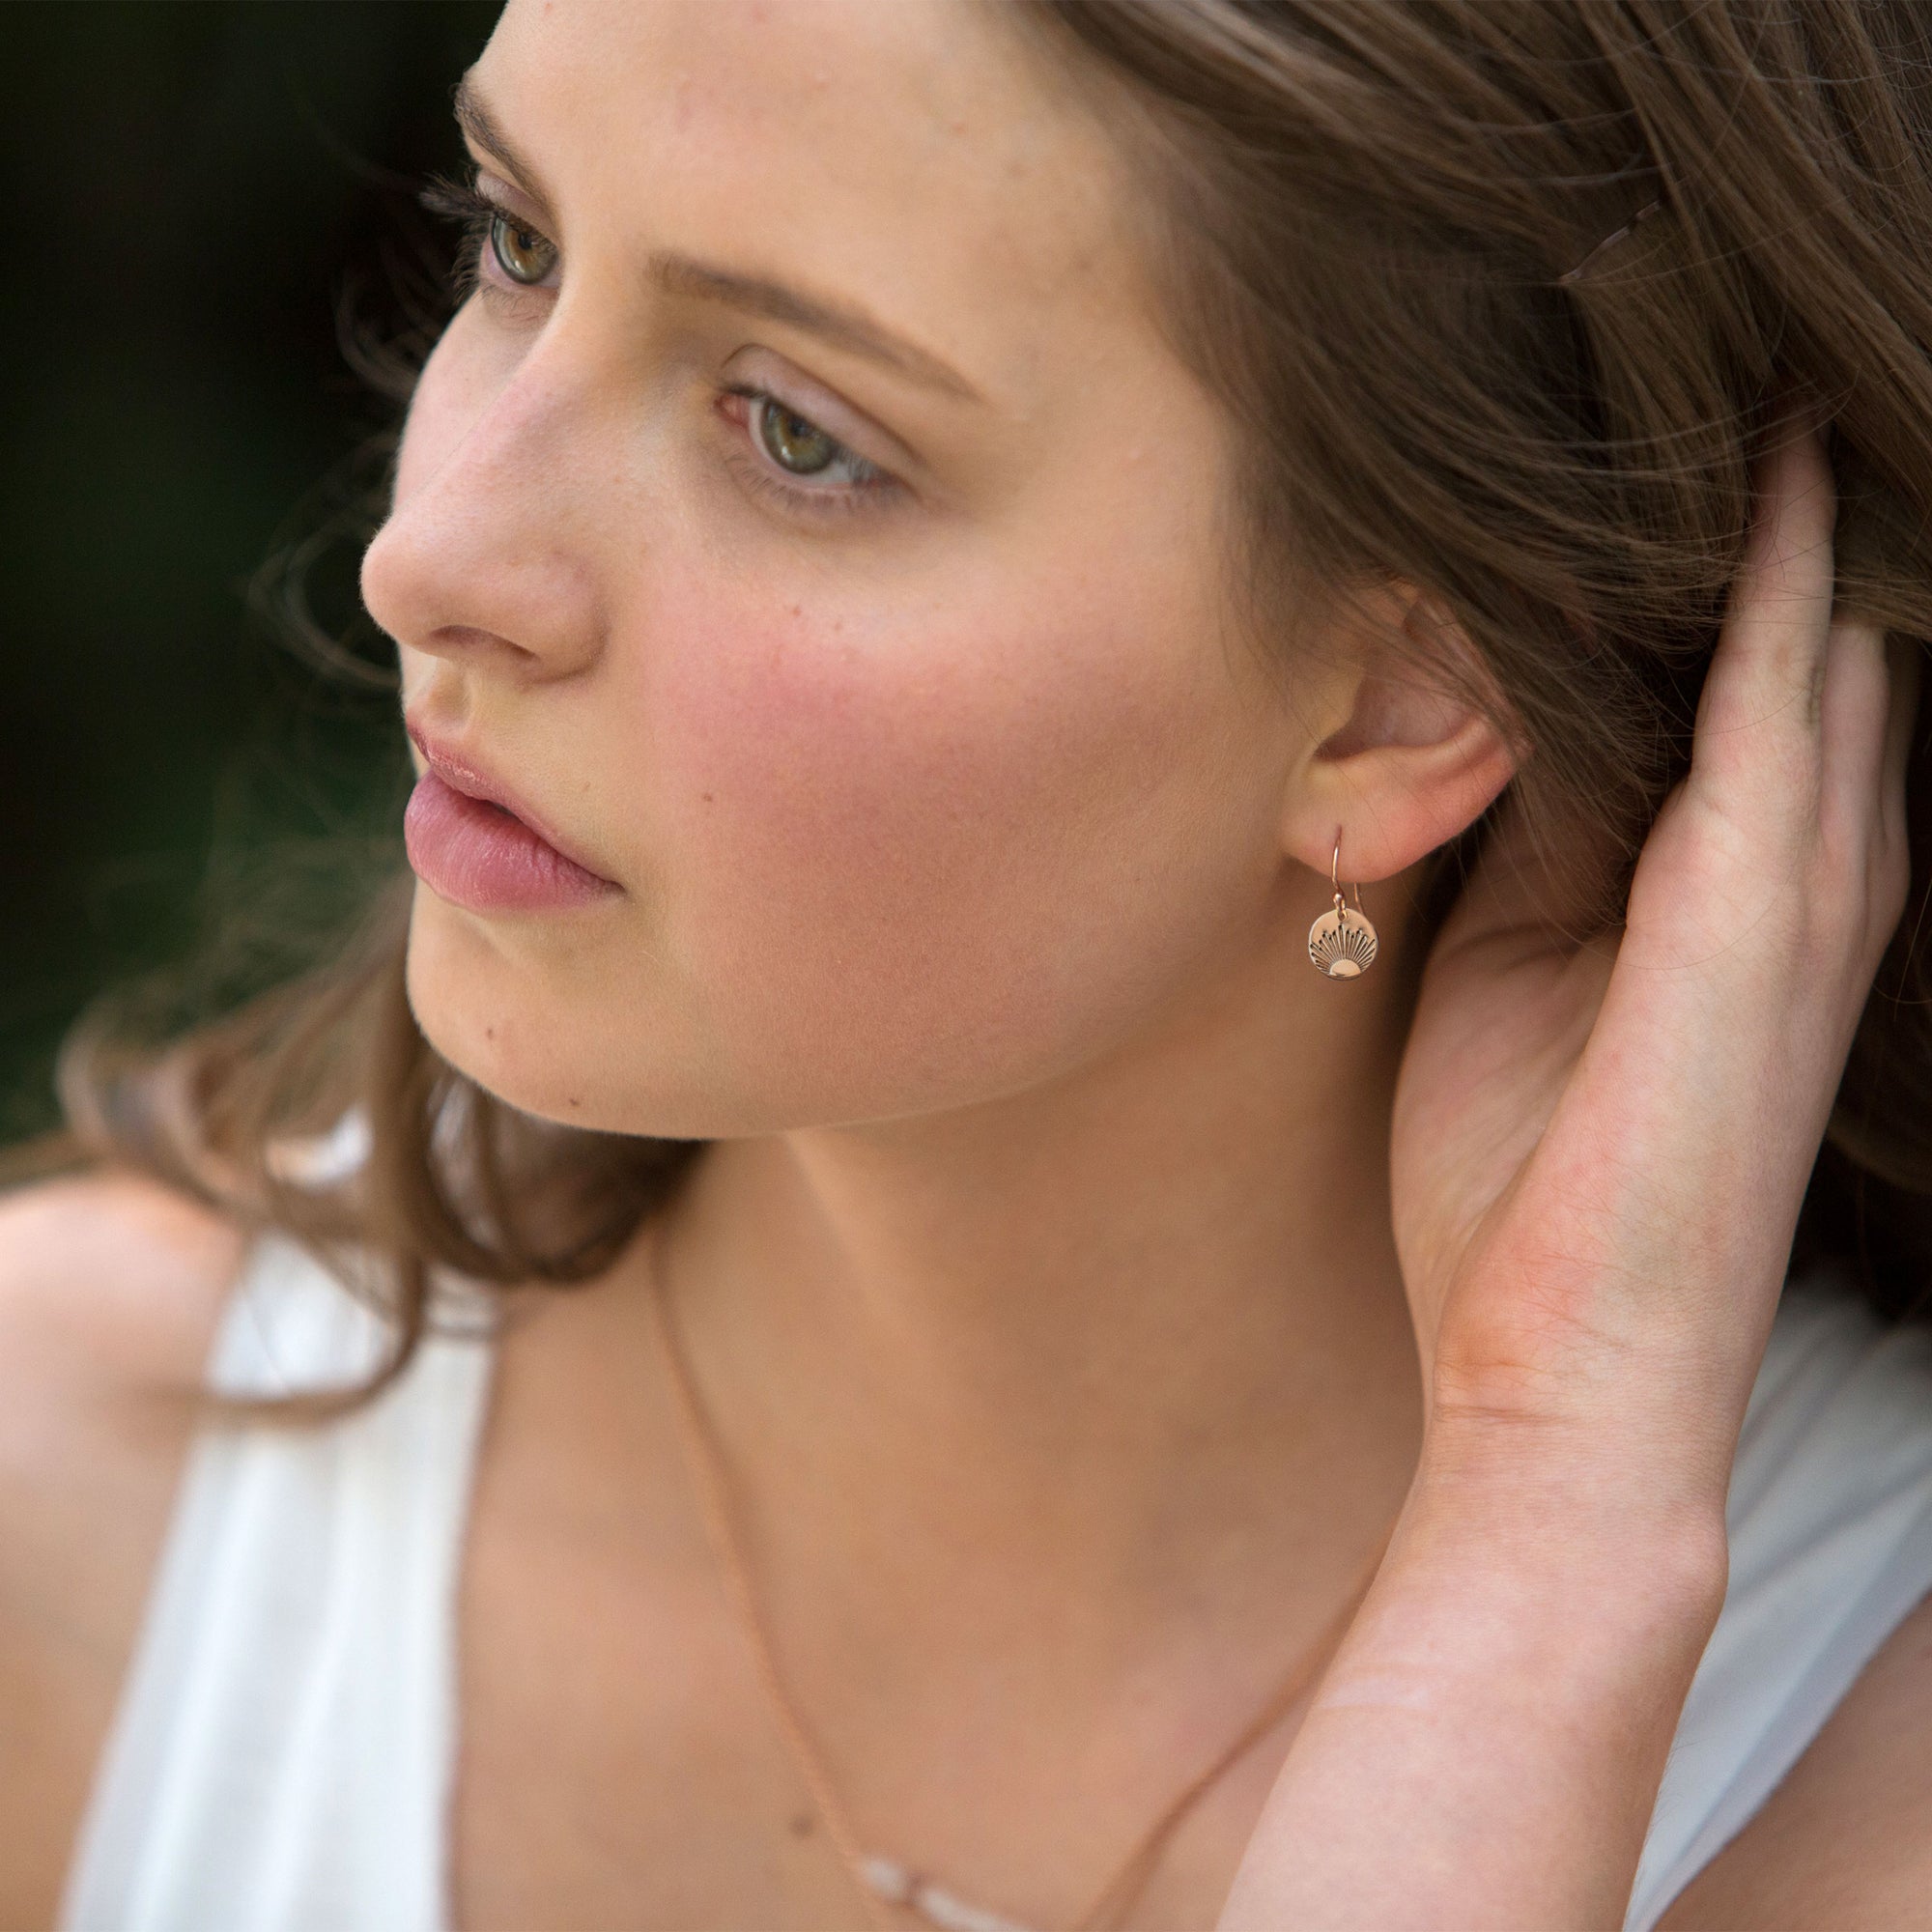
[[1501, 299]]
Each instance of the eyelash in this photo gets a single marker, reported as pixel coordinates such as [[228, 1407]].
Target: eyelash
[[867, 485], [475, 214]]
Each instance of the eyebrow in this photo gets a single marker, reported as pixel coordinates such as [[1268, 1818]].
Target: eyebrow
[[842, 326], [477, 120], [846, 329]]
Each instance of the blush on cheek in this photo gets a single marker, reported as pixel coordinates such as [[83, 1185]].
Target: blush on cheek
[[916, 842]]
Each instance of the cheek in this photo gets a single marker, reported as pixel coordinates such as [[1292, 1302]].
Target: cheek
[[958, 843]]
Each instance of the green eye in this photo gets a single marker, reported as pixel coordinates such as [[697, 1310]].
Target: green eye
[[521, 252], [792, 442]]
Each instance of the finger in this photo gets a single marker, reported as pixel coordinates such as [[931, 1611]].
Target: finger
[[1891, 858], [1856, 727], [1870, 704], [1906, 660], [1757, 735]]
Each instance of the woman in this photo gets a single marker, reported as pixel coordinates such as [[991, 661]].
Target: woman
[[941, 545]]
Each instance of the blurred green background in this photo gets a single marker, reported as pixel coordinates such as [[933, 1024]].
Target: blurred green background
[[197, 195]]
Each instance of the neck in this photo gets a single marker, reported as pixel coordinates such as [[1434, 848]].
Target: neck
[[1136, 1327]]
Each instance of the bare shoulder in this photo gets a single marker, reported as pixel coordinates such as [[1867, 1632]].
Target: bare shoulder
[[110, 1286], [106, 1279], [1842, 1841]]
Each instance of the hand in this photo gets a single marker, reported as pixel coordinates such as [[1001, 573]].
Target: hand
[[1600, 1152], [1599, 1149]]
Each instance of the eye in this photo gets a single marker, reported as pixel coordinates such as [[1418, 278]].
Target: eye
[[784, 455], [522, 253], [798, 447], [792, 441]]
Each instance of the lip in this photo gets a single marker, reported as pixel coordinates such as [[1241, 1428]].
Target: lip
[[474, 842]]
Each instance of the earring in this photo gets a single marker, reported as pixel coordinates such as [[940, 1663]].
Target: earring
[[1341, 944]]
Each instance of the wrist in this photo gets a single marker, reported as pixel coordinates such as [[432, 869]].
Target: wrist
[[1620, 1480], [1567, 1646], [1532, 1550], [1507, 1665]]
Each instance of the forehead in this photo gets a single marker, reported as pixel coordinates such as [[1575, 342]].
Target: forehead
[[913, 155]]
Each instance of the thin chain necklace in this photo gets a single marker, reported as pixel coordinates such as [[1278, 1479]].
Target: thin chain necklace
[[880, 1882]]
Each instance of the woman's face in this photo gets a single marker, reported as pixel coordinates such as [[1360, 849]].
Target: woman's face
[[805, 523]]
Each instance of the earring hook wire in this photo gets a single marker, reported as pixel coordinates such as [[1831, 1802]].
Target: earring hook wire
[[1335, 874]]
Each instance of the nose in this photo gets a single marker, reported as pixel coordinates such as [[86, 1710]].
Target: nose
[[488, 557]]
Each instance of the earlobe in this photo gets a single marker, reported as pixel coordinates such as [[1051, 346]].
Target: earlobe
[[1415, 761]]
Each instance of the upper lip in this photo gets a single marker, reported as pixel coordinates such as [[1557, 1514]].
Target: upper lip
[[459, 774]]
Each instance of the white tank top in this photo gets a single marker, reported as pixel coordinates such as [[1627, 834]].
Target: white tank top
[[281, 1757]]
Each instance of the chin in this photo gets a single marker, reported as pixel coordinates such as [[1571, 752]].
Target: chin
[[541, 1028], [606, 1038], [527, 1030]]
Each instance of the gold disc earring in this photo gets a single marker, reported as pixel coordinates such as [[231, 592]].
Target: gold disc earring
[[1341, 943]]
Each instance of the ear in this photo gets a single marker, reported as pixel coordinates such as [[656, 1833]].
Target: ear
[[1413, 761]]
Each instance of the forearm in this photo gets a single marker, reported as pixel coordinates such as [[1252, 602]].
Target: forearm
[[1486, 1750]]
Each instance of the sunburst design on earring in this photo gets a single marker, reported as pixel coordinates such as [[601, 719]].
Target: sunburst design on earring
[[1341, 944]]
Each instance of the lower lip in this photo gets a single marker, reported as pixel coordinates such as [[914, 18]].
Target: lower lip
[[477, 856]]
